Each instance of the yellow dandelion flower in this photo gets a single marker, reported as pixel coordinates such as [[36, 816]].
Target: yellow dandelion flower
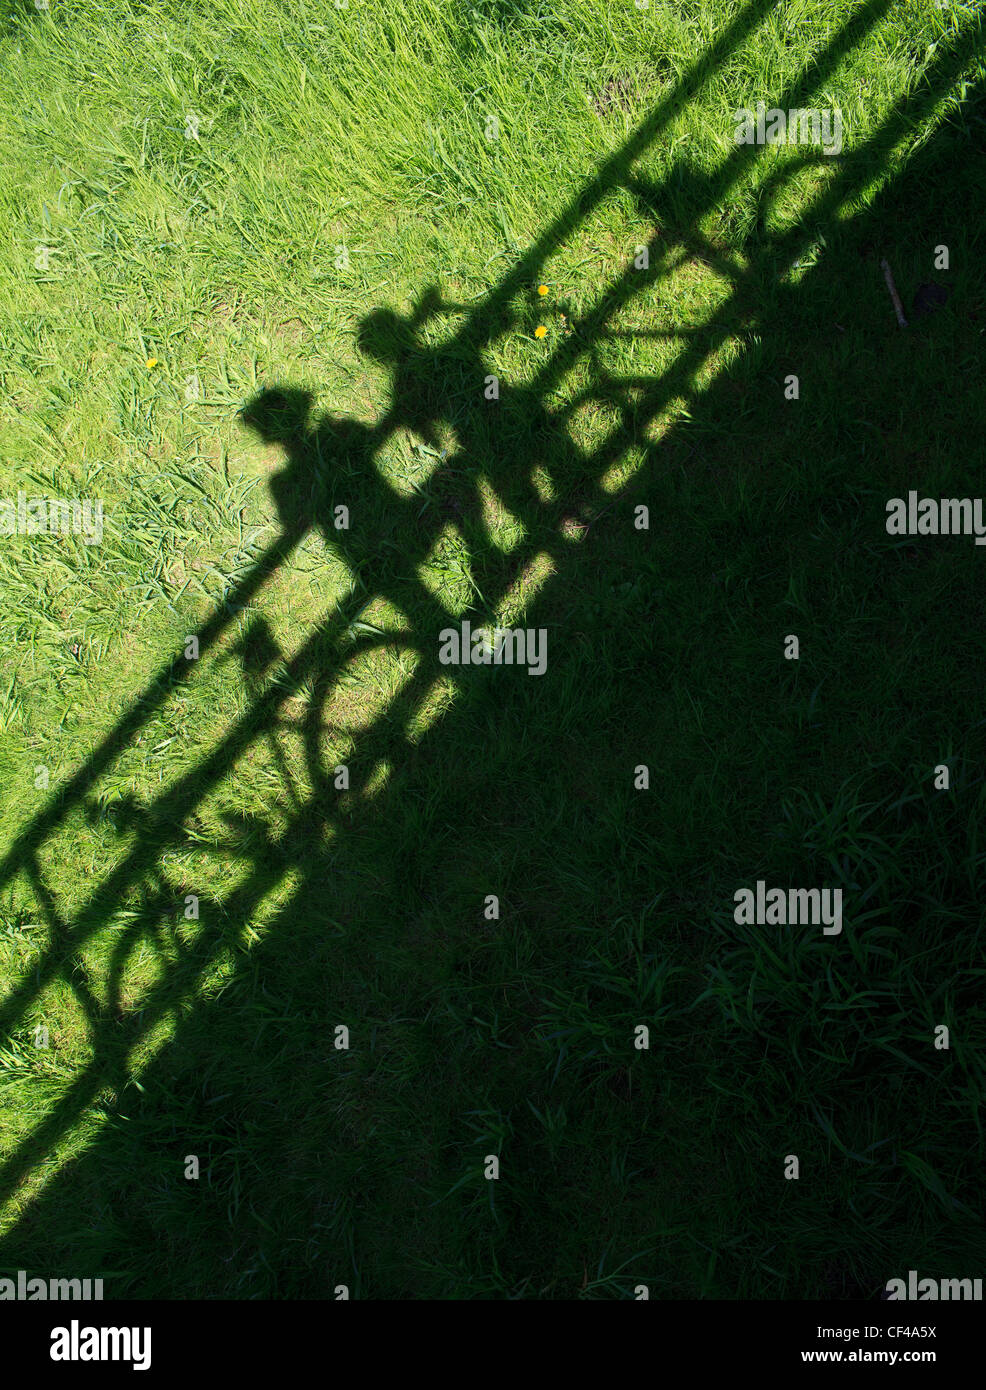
[[151, 363], [542, 289], [540, 331]]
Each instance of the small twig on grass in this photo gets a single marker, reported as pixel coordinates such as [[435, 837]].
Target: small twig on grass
[[898, 307]]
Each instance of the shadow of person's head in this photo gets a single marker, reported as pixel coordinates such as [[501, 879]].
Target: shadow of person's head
[[335, 451], [280, 415], [385, 336]]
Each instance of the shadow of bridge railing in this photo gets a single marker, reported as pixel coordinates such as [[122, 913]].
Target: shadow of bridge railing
[[334, 461]]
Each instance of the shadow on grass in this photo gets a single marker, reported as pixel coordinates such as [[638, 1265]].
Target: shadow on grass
[[469, 1037]]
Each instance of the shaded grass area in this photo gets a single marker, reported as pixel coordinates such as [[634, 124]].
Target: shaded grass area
[[215, 1036]]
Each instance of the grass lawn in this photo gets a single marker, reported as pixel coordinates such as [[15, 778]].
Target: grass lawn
[[281, 891]]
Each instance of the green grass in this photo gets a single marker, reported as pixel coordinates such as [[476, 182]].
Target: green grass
[[343, 231]]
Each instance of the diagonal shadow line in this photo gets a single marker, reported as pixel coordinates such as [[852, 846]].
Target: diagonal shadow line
[[59, 930], [262, 709]]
